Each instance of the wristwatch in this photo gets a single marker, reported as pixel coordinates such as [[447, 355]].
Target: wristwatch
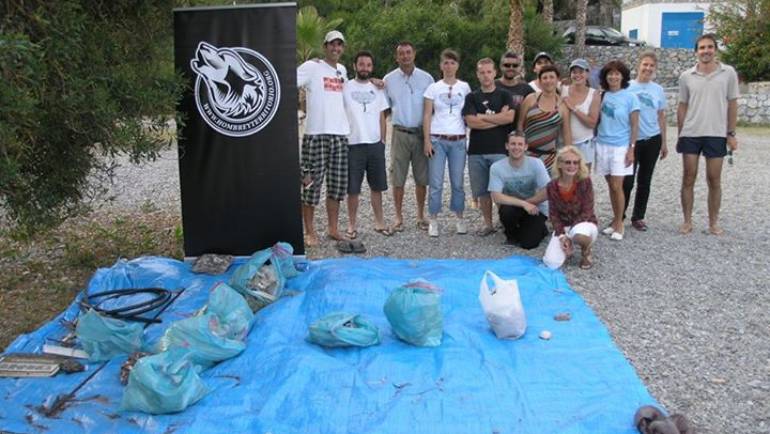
[[731, 133]]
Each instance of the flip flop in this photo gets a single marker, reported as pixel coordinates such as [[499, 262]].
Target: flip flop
[[485, 231], [384, 231], [345, 247], [422, 225], [586, 262], [399, 227], [352, 235], [357, 246]]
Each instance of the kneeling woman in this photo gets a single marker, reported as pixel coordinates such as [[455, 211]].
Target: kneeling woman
[[571, 208]]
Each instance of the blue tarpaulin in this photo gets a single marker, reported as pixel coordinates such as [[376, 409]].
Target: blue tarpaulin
[[576, 382]]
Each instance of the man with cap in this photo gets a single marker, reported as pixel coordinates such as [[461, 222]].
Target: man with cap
[[405, 87], [541, 59], [511, 81], [324, 152]]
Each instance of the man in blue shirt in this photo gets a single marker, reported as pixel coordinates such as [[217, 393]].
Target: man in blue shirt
[[404, 87]]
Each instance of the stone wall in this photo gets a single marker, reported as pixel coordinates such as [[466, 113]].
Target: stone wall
[[671, 61], [753, 108]]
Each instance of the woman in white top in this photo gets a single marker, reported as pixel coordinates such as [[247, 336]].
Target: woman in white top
[[444, 140], [584, 104]]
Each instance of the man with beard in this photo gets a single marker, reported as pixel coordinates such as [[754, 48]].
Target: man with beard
[[365, 105], [511, 80], [405, 87], [706, 118], [325, 143]]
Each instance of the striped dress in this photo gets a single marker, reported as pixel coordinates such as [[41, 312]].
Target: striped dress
[[541, 130]]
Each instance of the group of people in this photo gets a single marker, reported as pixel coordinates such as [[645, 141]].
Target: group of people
[[518, 133]]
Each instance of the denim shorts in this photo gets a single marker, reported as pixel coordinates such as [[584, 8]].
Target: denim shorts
[[478, 171]]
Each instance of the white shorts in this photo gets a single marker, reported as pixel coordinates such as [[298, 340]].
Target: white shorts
[[588, 149], [583, 228], [611, 160]]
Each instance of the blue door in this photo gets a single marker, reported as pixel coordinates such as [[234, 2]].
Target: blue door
[[680, 29]]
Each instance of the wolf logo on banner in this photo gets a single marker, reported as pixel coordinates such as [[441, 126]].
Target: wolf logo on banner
[[236, 90]]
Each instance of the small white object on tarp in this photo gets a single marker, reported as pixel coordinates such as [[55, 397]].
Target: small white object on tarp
[[502, 306]]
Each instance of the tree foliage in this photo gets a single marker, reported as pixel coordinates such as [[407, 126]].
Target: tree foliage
[[81, 82], [311, 29], [744, 27]]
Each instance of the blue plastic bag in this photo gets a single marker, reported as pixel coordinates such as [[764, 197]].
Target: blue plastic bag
[[243, 277], [163, 383], [343, 329], [414, 313], [104, 338], [282, 257], [217, 334]]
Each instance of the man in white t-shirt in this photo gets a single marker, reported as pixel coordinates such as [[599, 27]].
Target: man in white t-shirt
[[365, 105], [325, 143]]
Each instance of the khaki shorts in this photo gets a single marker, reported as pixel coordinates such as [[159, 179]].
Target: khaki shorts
[[405, 148]]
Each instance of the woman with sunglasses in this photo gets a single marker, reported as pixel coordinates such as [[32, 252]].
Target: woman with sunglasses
[[652, 137], [583, 103], [544, 118], [571, 209], [616, 138], [444, 140]]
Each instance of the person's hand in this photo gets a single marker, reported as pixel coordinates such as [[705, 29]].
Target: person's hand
[[566, 245], [732, 143], [630, 156], [427, 148], [530, 209], [567, 103], [663, 151], [378, 83]]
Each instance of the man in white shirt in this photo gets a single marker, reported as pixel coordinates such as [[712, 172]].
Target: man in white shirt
[[405, 86], [325, 143], [366, 105]]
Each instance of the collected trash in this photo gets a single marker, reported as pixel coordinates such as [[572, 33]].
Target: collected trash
[[128, 365], [211, 263], [167, 382], [502, 307], [545, 335], [650, 420], [563, 316], [262, 278], [104, 338], [217, 333], [129, 312], [343, 329], [414, 313], [351, 246], [28, 365]]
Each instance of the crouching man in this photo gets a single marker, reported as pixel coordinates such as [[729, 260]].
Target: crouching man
[[517, 184]]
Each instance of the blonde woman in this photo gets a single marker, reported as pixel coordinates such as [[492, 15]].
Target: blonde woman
[[571, 209]]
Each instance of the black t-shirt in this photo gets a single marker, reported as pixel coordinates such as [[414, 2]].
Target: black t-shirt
[[518, 92], [490, 141]]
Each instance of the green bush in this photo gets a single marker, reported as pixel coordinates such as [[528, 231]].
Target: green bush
[[82, 81], [744, 27]]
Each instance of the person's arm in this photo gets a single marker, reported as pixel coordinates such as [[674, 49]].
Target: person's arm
[[477, 122], [503, 199], [586, 198], [592, 117], [505, 116], [634, 120], [681, 112], [523, 109], [538, 198], [427, 115], [554, 204], [566, 126], [662, 125], [383, 127], [732, 120]]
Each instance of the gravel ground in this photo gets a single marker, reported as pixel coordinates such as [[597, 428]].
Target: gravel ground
[[689, 312]]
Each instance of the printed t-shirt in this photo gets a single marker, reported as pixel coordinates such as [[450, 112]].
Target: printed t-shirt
[[520, 182], [492, 140], [615, 121], [652, 99], [363, 104], [325, 106], [448, 104]]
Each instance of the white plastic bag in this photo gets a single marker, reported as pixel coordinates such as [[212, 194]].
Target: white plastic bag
[[554, 254], [502, 307]]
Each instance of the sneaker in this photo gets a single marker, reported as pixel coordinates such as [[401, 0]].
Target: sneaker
[[609, 230], [432, 228], [617, 236], [639, 225], [462, 228]]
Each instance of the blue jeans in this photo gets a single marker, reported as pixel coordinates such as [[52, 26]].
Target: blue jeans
[[452, 152]]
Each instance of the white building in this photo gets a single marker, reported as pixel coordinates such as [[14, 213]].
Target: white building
[[668, 24]]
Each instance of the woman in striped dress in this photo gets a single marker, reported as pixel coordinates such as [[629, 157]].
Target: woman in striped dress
[[545, 118]]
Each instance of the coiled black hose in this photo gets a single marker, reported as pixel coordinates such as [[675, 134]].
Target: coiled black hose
[[129, 312]]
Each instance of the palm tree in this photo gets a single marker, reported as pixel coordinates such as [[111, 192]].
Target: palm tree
[[548, 11], [580, 28], [311, 29], [516, 27]]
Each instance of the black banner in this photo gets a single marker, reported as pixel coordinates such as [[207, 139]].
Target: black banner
[[238, 152]]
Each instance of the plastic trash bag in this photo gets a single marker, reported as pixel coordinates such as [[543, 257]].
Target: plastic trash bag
[[283, 258], [263, 276], [163, 383], [502, 307], [414, 313], [554, 255], [343, 329], [103, 337], [217, 334]]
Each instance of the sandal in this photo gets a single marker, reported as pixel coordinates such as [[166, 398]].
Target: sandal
[[357, 246], [398, 227], [422, 225], [483, 232], [345, 247], [386, 231], [586, 262], [351, 235]]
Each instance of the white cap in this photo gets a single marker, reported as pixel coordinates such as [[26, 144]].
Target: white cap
[[334, 34]]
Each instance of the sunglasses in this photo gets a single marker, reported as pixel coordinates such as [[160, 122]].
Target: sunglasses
[[511, 65], [570, 162]]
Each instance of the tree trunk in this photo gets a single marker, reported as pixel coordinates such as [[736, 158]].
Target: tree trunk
[[516, 27], [548, 11], [580, 28], [605, 12]]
